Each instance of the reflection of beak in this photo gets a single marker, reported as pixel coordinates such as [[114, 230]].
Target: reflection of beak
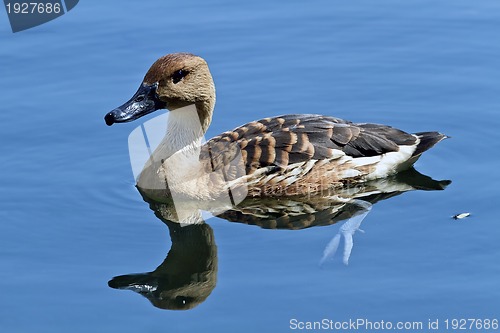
[[141, 283], [144, 101]]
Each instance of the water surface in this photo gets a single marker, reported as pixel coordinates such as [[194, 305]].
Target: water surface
[[72, 219]]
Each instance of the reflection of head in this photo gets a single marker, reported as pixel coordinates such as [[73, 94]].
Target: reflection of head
[[186, 277]]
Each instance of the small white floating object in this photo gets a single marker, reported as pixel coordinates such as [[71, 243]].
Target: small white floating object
[[461, 216]]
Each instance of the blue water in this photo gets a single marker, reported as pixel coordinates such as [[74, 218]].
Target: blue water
[[72, 218]]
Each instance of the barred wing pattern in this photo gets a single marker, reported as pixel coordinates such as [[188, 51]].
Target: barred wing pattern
[[270, 146]]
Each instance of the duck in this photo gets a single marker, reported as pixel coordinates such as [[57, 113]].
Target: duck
[[280, 156]]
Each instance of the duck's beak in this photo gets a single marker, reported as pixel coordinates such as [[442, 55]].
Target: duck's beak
[[144, 101]]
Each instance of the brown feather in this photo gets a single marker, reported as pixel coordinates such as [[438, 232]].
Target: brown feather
[[308, 135], [290, 139]]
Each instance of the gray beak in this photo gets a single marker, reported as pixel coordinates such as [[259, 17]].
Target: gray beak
[[144, 101]]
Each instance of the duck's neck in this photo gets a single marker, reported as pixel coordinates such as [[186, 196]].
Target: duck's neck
[[205, 110], [187, 124], [181, 147], [174, 165], [185, 130]]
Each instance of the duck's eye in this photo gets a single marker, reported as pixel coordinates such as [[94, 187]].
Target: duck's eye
[[139, 99], [179, 75]]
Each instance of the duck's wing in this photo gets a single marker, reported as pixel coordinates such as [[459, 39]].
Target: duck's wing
[[284, 140]]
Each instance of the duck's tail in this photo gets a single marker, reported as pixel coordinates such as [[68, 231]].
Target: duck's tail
[[427, 141]]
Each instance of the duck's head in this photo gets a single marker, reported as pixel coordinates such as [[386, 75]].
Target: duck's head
[[173, 81]]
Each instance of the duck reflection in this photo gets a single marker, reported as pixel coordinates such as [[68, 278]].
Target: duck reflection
[[188, 274]]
